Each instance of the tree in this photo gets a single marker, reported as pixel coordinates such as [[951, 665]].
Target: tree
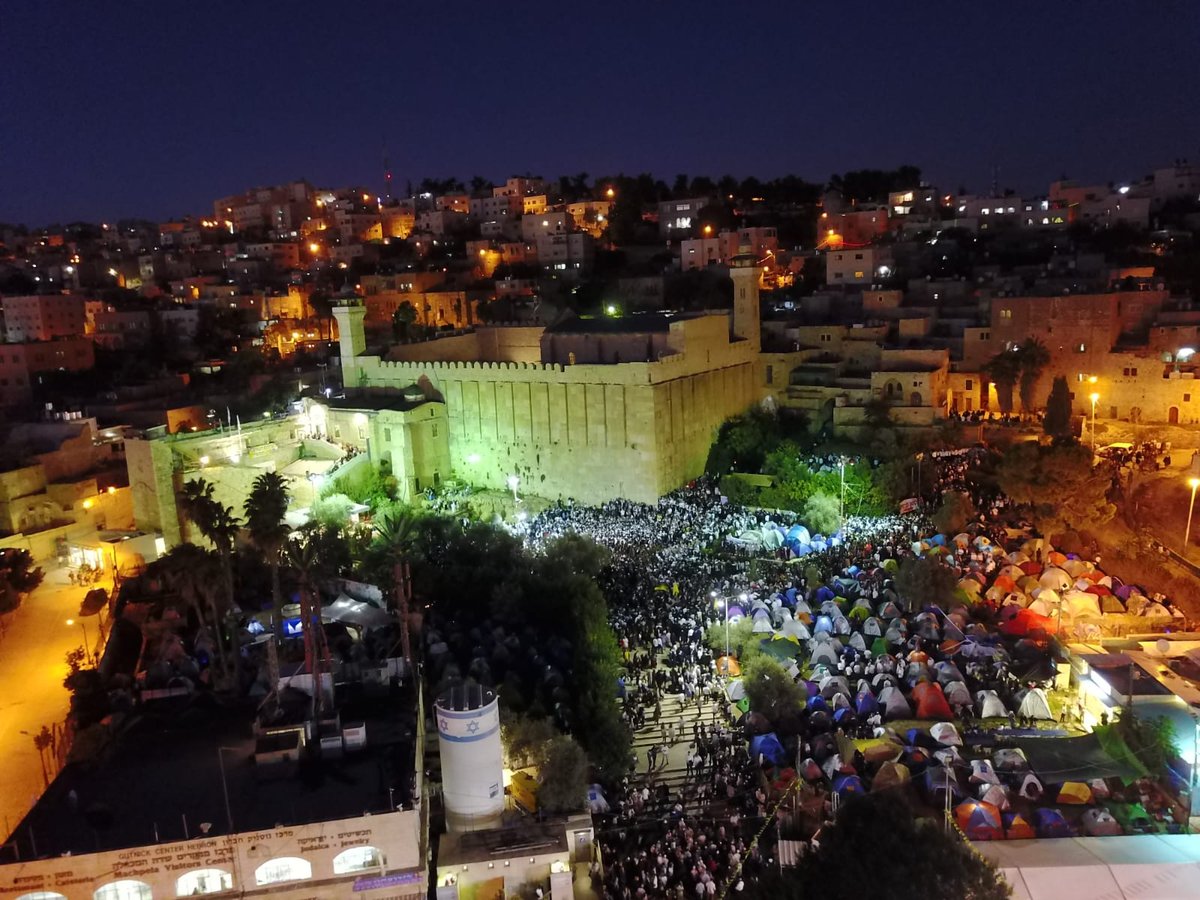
[[563, 767], [523, 737], [332, 510], [770, 689], [265, 508], [822, 513], [217, 523], [1034, 357], [19, 577], [1058, 484], [925, 581], [1004, 369], [954, 513], [195, 574], [1152, 739], [743, 442], [1057, 423], [402, 321], [924, 860]]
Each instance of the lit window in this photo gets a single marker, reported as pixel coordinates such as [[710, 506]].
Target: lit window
[[124, 890], [42, 895], [1083, 348], [203, 881], [287, 868], [357, 859]]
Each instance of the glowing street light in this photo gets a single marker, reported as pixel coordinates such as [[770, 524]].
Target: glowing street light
[[87, 653], [720, 603], [1093, 397], [1193, 483], [513, 481]]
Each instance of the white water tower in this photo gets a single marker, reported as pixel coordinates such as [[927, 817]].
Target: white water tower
[[468, 723]]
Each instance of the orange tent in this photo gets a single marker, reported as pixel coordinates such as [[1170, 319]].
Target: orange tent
[[1019, 828]]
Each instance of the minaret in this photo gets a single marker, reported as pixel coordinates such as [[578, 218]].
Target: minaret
[[349, 312], [743, 269]]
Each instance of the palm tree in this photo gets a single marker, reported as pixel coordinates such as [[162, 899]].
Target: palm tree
[[1034, 358], [303, 553], [1004, 369], [395, 534], [217, 523], [194, 573], [265, 508]]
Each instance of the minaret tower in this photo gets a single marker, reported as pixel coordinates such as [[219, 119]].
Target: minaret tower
[[744, 271]]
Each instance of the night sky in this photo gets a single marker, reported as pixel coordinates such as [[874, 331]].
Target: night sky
[[153, 109]]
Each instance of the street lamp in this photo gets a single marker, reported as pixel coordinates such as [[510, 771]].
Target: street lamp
[[720, 603], [1193, 483], [513, 481], [842, 493], [225, 784], [87, 653], [1093, 397]]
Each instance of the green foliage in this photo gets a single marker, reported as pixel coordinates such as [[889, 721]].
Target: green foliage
[[332, 510], [18, 577], [1004, 369], [1057, 422], [1034, 357], [924, 580], [563, 767], [1152, 739], [924, 861], [822, 512], [955, 512], [374, 486], [523, 739], [1058, 484], [744, 644], [770, 689], [743, 443]]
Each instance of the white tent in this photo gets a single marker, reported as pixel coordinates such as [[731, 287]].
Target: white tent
[[990, 705], [1055, 578], [1035, 705], [982, 772], [945, 734]]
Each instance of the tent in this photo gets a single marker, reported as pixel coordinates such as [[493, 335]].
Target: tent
[[1056, 579], [1051, 824], [931, 702], [735, 690], [1031, 788], [891, 775], [982, 772], [1080, 603], [848, 784], [1010, 760], [989, 705], [1099, 822], [945, 734], [728, 665], [1020, 622], [597, 803], [768, 746], [1034, 705], [995, 794], [958, 696], [1074, 793], [1018, 828], [937, 781], [979, 821], [894, 704], [1133, 817]]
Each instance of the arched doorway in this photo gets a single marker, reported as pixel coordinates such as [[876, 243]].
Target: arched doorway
[[1173, 415], [914, 398]]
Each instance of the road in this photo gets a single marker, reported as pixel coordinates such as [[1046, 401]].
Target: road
[[32, 668]]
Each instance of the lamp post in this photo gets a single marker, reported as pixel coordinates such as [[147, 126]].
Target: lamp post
[[920, 456], [87, 653], [842, 493], [1193, 483], [722, 604], [225, 784], [1093, 397], [513, 481]]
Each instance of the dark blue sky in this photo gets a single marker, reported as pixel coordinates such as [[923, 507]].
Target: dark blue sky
[[154, 109]]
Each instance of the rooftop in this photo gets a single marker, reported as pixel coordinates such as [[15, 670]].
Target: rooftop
[[461, 848], [162, 780], [633, 323], [403, 401]]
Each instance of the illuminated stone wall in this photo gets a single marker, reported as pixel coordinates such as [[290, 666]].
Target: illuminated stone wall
[[590, 432]]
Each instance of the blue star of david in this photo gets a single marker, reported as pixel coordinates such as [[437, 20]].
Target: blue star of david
[[443, 724], [472, 727]]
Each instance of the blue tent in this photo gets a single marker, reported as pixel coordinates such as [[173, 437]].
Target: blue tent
[[824, 624], [770, 748], [1051, 824], [790, 596], [824, 592], [799, 534], [866, 704], [938, 540], [848, 784]]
